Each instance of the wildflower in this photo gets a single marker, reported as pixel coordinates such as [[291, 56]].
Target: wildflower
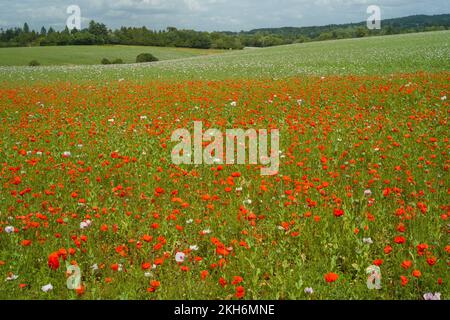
[[11, 277], [338, 212], [404, 280], [233, 103], [367, 240], [378, 262], [431, 296], [53, 261], [387, 249], [179, 257], [146, 265], [309, 290], [240, 292], [153, 286], [85, 224], [47, 287], [222, 282], [193, 247], [417, 273], [367, 193], [206, 231], [26, 243], [422, 248], [204, 274], [67, 154], [9, 229], [431, 261], [399, 239], [116, 267], [406, 264], [237, 280], [331, 277], [147, 238]]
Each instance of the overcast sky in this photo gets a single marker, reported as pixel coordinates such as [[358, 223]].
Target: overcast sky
[[209, 15]]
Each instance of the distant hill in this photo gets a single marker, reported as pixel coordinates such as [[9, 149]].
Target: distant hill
[[265, 37], [416, 23], [98, 34]]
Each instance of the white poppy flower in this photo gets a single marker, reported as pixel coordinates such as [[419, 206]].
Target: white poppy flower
[[309, 290], [47, 287], [9, 229], [431, 296], [179, 257], [11, 277]]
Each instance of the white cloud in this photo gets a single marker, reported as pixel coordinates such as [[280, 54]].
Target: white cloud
[[234, 15]]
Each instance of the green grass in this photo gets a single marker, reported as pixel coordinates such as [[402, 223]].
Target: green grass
[[367, 56], [89, 55]]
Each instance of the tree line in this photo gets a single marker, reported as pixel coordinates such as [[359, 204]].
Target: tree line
[[98, 34]]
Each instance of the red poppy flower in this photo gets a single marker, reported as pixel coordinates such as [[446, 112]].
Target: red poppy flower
[[204, 274], [399, 239], [387, 249], [417, 273], [378, 262], [237, 280], [338, 212], [222, 282], [406, 264], [331, 277], [53, 261], [404, 280], [240, 292]]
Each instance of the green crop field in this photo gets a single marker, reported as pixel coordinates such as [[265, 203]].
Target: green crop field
[[366, 56], [88, 55], [359, 208]]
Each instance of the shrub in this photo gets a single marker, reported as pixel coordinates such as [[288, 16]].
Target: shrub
[[146, 57], [117, 61], [106, 61], [34, 63]]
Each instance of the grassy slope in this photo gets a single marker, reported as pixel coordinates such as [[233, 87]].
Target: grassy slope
[[88, 55], [377, 55]]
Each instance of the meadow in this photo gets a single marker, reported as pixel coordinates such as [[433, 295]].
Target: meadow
[[91, 55], [87, 178]]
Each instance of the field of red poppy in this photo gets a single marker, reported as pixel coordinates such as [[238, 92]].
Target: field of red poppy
[[87, 180]]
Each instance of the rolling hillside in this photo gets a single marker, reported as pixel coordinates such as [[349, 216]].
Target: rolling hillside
[[88, 55]]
